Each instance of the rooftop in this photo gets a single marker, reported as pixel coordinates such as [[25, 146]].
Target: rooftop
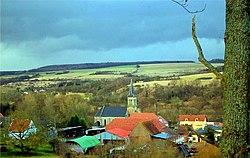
[[112, 111], [193, 117], [19, 125]]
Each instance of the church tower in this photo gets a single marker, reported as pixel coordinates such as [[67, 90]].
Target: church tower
[[132, 100]]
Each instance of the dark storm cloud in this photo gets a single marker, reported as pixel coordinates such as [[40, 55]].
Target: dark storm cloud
[[41, 30], [105, 25]]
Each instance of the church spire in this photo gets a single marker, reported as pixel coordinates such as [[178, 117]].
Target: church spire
[[132, 99], [131, 90]]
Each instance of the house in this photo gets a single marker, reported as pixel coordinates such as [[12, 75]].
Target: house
[[217, 131], [22, 128], [197, 121], [106, 114], [71, 132], [1, 118], [82, 144], [139, 128], [139, 132], [106, 137], [190, 135]]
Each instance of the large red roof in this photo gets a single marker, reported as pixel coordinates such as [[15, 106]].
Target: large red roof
[[128, 124], [153, 125], [158, 120], [119, 132], [19, 125], [143, 116], [193, 117]]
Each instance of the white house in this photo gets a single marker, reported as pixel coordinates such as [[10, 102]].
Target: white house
[[22, 128]]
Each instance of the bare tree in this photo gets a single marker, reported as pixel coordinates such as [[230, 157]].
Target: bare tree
[[235, 78]]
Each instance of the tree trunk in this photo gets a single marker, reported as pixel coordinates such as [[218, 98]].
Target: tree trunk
[[236, 80]]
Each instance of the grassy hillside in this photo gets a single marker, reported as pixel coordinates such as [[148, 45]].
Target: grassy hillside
[[151, 70], [160, 74]]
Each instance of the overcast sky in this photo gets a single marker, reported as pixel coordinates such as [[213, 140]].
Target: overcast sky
[[36, 33]]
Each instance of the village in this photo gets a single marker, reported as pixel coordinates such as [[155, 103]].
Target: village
[[123, 131]]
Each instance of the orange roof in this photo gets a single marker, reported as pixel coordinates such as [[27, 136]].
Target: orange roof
[[1, 115], [119, 132], [153, 125], [193, 117], [144, 116], [128, 124], [19, 125], [160, 121]]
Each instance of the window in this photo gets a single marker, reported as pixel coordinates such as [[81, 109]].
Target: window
[[186, 119], [196, 119]]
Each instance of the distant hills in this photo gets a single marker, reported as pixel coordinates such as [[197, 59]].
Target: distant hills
[[216, 61], [86, 66], [64, 67], [98, 65]]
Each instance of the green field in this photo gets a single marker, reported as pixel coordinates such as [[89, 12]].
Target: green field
[[151, 70], [203, 79], [86, 73]]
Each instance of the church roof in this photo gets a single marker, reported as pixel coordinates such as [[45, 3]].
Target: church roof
[[131, 90], [112, 111]]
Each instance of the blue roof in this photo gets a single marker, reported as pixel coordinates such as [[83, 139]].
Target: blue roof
[[162, 135], [108, 136], [205, 128], [112, 111]]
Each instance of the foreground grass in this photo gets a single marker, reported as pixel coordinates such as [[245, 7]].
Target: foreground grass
[[44, 151], [29, 155]]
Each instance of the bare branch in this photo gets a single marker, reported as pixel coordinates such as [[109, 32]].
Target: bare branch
[[184, 5], [201, 57]]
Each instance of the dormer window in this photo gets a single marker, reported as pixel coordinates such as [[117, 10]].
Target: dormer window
[[196, 119], [186, 119]]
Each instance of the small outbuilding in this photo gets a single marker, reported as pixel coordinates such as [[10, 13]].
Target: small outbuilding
[[85, 142]]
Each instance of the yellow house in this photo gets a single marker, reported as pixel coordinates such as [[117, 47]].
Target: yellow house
[[197, 121]]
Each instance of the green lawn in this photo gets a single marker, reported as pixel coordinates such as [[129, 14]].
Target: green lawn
[[30, 155], [203, 79], [169, 69], [45, 151], [86, 73], [164, 70]]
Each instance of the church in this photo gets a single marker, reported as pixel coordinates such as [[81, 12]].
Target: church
[[107, 113]]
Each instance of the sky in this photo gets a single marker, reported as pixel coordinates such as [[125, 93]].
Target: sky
[[37, 33]]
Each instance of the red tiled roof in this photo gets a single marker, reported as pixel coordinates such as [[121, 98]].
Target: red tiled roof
[[119, 132], [127, 124], [143, 116], [193, 117], [153, 125], [1, 115], [19, 125]]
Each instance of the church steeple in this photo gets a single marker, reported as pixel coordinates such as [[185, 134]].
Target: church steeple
[[132, 99], [131, 90]]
